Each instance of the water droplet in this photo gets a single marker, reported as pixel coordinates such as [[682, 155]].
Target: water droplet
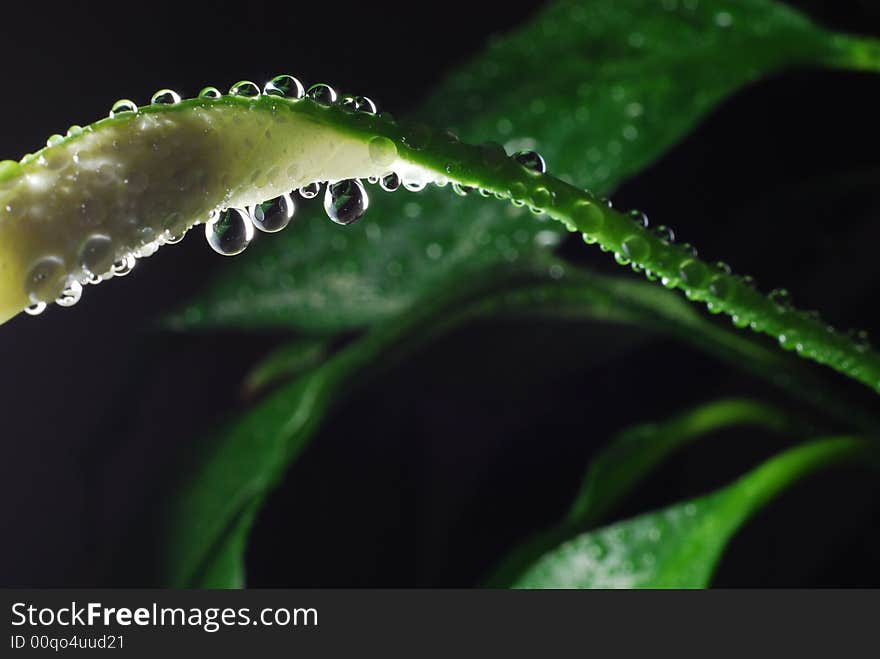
[[273, 215], [719, 286], [605, 201], [321, 93], [587, 216], [382, 151], [639, 219], [311, 190], [434, 251], [70, 295], [210, 92], [415, 186], [122, 106], [462, 190], [123, 266], [688, 249], [46, 280], [723, 267], [861, 339], [781, 298], [692, 272], [390, 183], [346, 201], [245, 88], [74, 131], [365, 104], [664, 233], [54, 139], [635, 248], [229, 232], [284, 85], [165, 97], [35, 309], [531, 160], [542, 198], [96, 254]]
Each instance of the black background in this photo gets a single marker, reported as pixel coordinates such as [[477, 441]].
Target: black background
[[429, 475]]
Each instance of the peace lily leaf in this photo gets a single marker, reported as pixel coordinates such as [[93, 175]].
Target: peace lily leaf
[[679, 546], [251, 454], [601, 89], [630, 456]]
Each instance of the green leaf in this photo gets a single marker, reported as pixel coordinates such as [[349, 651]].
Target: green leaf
[[679, 546], [617, 470], [210, 515], [286, 362], [601, 89]]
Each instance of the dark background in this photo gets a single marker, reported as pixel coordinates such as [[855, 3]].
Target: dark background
[[426, 477]]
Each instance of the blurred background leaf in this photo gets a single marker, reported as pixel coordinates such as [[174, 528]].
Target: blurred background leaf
[[679, 546]]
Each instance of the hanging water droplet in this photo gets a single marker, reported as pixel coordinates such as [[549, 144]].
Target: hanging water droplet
[[165, 97], [531, 160], [390, 183], [35, 309], [229, 232], [372, 180], [96, 254], [639, 218], [245, 88], [46, 279], [122, 106], [273, 215], [664, 233], [605, 201], [123, 266], [311, 190], [346, 201], [462, 190], [70, 295], [321, 93], [415, 186], [210, 92], [748, 280], [284, 85], [721, 265]]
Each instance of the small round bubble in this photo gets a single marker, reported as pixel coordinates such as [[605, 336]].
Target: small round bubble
[[322, 93], [210, 92], [96, 254], [245, 88], [45, 280], [165, 97], [284, 85], [531, 160], [382, 151], [390, 182], [122, 106], [310, 191]]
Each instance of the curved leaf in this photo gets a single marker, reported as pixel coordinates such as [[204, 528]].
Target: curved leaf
[[629, 457], [625, 81], [679, 546]]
